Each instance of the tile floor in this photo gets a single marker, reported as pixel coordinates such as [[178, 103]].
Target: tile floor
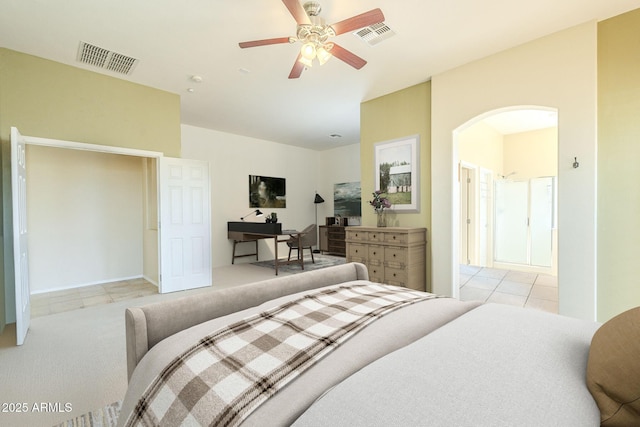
[[87, 296], [529, 290]]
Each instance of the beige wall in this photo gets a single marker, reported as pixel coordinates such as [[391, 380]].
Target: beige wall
[[85, 217], [618, 170], [47, 99], [540, 73], [397, 115], [483, 146], [338, 165], [531, 154], [230, 184]]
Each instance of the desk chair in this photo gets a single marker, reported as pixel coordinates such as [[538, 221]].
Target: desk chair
[[308, 238]]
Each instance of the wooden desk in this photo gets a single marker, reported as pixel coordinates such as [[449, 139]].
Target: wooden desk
[[241, 232]]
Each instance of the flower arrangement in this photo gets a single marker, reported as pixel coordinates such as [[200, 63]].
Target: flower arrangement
[[378, 202]]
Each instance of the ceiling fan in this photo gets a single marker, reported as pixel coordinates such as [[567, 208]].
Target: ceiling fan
[[314, 34]]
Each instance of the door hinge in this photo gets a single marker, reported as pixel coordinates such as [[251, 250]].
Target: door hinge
[[468, 180], [468, 221]]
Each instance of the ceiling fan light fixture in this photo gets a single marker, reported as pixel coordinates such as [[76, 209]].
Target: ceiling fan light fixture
[[323, 55], [313, 33], [308, 51], [306, 61]]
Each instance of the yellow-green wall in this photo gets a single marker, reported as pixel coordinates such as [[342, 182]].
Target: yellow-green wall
[[51, 100], [397, 115], [618, 168]]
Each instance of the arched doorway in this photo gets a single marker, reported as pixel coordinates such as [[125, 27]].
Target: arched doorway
[[507, 162]]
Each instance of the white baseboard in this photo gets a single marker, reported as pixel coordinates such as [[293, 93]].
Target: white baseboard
[[82, 285]]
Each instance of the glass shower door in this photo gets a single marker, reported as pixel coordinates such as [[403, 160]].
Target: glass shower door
[[542, 197], [511, 217]]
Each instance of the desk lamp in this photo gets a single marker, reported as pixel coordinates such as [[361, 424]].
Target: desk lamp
[[317, 201], [257, 212]]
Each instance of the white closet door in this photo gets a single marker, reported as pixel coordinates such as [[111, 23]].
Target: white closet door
[[20, 247], [185, 224]]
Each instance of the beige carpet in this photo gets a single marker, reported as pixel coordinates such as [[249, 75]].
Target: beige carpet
[[74, 362]]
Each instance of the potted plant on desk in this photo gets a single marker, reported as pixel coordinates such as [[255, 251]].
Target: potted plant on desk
[[272, 218]]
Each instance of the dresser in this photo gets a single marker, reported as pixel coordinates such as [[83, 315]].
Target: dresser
[[393, 255], [332, 239]]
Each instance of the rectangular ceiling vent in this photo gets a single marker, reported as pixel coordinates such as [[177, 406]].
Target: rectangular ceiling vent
[[375, 34], [105, 59]]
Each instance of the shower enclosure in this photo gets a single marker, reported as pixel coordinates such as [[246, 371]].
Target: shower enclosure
[[524, 221]]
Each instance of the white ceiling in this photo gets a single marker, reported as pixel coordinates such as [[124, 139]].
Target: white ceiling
[[175, 40], [522, 120]]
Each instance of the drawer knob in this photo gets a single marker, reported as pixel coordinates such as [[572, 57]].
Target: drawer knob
[[356, 251], [374, 253], [394, 274], [394, 237], [394, 255]]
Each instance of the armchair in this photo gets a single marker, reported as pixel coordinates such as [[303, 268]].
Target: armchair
[[308, 238]]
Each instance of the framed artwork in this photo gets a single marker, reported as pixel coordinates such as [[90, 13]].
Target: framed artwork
[[397, 172], [347, 198], [267, 192]]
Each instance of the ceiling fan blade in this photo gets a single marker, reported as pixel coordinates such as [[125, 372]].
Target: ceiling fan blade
[[264, 42], [297, 11], [359, 21], [298, 68], [350, 58]]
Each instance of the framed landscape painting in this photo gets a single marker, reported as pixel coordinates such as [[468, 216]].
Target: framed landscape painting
[[346, 199], [397, 172]]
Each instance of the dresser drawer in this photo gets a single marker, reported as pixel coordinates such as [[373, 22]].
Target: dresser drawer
[[376, 272], [398, 238], [375, 236], [357, 252], [356, 235], [396, 257], [395, 276], [375, 254]]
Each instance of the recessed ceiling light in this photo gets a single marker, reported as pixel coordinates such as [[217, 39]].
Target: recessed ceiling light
[[190, 90], [244, 71], [196, 79]]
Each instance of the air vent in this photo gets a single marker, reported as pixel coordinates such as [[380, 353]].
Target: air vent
[[374, 34], [105, 59]]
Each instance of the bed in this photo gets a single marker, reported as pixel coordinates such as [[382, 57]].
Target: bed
[[355, 353]]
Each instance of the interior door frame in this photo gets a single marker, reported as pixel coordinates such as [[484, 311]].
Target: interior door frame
[[48, 142], [473, 212]]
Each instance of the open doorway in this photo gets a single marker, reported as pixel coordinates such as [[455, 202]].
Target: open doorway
[[508, 164], [88, 217], [182, 249]]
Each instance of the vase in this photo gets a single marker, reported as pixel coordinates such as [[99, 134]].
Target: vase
[[382, 219]]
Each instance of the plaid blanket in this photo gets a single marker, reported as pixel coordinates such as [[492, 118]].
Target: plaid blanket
[[229, 373]]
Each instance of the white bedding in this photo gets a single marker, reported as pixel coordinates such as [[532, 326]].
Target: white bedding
[[496, 365]]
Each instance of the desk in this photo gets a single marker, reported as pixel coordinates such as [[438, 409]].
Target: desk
[[253, 231]]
